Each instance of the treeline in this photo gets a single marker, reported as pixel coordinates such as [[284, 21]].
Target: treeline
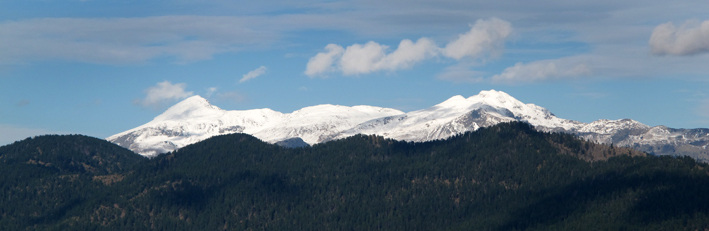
[[505, 177]]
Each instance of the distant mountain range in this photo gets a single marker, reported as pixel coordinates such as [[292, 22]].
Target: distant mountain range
[[195, 119]]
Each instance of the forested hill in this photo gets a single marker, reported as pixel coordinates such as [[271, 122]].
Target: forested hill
[[69, 154], [504, 177]]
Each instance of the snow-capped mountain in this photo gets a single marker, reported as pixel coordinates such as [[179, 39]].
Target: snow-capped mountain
[[458, 115], [195, 119]]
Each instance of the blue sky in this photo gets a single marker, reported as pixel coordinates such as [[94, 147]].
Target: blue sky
[[101, 67]]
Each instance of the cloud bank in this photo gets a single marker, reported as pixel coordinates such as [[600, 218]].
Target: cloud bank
[[253, 74], [485, 38], [164, 92], [689, 39]]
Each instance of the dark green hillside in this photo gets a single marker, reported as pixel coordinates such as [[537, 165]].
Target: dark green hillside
[[505, 177], [45, 179], [67, 154]]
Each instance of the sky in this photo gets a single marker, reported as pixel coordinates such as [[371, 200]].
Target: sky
[[100, 67]]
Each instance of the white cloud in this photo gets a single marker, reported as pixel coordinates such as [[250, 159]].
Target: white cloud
[[408, 53], [542, 70], [164, 92], [689, 39], [323, 61], [361, 59], [485, 37], [253, 74], [372, 56]]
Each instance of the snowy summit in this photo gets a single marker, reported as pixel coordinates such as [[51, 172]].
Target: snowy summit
[[195, 119]]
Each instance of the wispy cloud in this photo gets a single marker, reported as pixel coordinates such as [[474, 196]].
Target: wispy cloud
[[125, 40], [485, 38], [323, 62], [253, 74], [461, 73], [690, 38], [162, 93], [188, 38], [542, 70]]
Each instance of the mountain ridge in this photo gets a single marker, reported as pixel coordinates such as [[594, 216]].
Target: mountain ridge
[[195, 119], [508, 176]]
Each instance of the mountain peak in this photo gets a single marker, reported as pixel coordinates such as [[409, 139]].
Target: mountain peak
[[497, 99], [492, 92], [194, 106], [196, 98], [453, 101], [195, 119], [495, 96]]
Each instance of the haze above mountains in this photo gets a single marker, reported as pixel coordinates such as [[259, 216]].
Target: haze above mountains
[[195, 119]]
